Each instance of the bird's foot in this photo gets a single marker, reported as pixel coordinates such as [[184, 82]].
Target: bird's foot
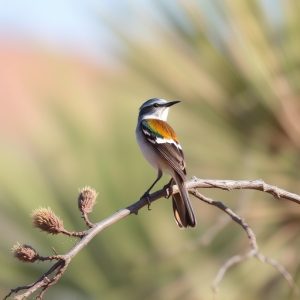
[[168, 189], [146, 196]]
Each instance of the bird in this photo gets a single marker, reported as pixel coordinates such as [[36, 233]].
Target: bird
[[160, 146]]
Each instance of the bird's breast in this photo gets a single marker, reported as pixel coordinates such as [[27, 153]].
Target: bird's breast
[[147, 149]]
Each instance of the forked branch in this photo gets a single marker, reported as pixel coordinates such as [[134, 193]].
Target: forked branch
[[47, 221]]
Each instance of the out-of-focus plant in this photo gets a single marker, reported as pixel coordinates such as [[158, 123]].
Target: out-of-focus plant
[[235, 65]]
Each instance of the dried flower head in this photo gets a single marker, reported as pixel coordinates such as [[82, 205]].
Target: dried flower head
[[25, 253], [86, 199], [46, 220]]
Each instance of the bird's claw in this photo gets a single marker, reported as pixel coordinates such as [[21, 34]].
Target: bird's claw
[[168, 190]]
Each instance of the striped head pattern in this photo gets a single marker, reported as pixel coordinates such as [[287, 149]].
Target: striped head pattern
[[155, 108]]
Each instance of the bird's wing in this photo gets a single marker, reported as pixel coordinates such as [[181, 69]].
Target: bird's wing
[[164, 140]]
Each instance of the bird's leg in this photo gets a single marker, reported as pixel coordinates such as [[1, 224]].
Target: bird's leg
[[146, 194], [168, 188]]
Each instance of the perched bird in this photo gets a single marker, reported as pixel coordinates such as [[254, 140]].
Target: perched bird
[[160, 146]]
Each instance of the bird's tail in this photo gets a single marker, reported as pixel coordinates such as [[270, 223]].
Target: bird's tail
[[183, 211]]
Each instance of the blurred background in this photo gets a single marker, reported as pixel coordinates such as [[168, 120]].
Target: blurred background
[[72, 77]]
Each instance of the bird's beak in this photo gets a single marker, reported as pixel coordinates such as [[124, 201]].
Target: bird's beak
[[168, 104]]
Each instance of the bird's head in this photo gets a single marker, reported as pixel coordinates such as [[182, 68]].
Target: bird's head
[[155, 108]]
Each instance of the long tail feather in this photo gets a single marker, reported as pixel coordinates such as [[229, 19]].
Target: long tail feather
[[183, 211]]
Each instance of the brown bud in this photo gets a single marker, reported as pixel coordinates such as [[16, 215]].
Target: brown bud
[[46, 220], [86, 199], [25, 253]]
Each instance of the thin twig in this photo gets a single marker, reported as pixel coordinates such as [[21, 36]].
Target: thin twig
[[76, 234], [222, 221], [229, 263], [87, 221], [258, 185], [236, 218], [254, 249], [280, 268], [53, 275]]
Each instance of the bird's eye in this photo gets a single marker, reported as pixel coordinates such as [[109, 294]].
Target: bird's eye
[[155, 105]]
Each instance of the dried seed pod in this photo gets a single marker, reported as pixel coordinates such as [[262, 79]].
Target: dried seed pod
[[25, 253], [46, 220], [86, 199]]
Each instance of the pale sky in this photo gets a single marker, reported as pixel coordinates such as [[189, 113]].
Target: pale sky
[[76, 26]]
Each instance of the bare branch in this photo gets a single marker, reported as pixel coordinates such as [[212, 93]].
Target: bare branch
[[254, 249], [53, 275], [233, 215], [258, 185]]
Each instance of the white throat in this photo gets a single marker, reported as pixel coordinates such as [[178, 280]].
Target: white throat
[[159, 115]]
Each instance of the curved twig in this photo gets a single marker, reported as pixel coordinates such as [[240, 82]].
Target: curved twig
[[53, 275], [254, 249]]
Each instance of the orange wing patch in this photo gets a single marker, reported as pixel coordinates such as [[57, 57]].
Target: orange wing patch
[[163, 129]]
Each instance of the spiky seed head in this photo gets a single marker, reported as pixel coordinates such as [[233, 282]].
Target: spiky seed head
[[87, 199], [46, 220], [24, 253]]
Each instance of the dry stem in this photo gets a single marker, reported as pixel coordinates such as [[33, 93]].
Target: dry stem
[[53, 275]]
